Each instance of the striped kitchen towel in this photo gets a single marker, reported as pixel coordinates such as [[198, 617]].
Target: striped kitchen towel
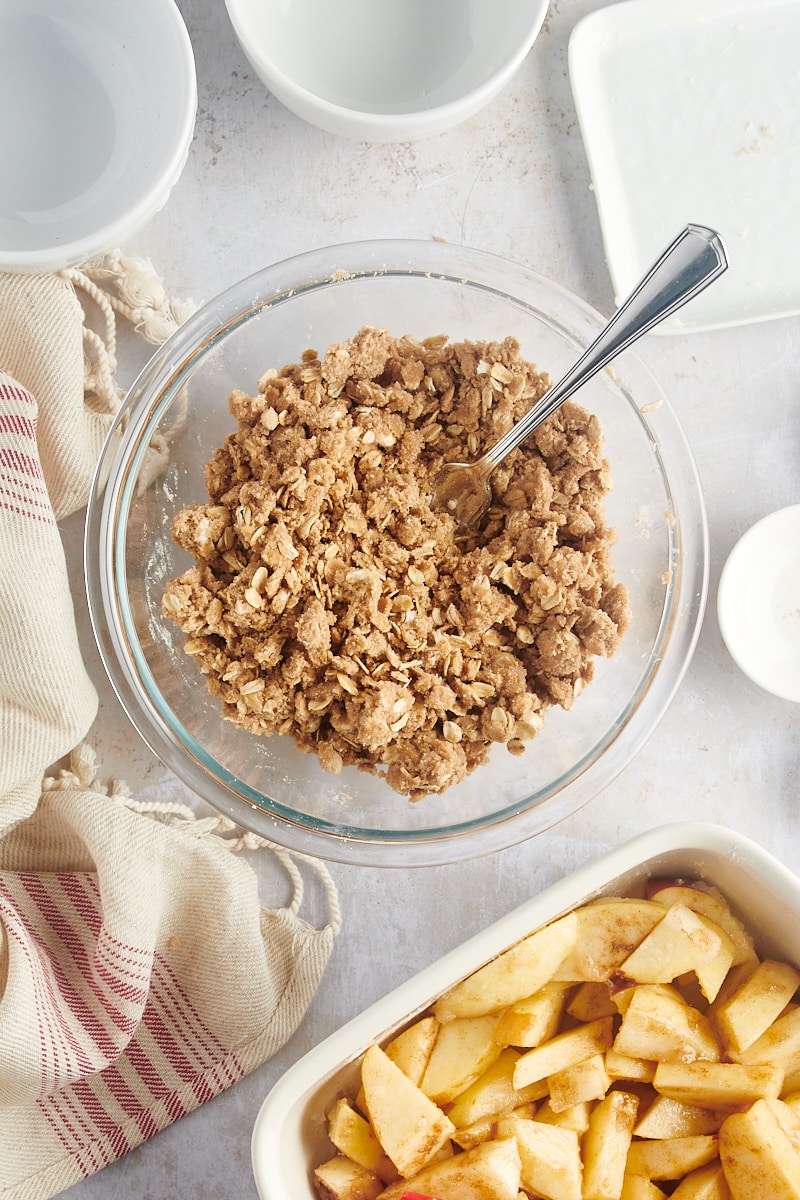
[[139, 973]]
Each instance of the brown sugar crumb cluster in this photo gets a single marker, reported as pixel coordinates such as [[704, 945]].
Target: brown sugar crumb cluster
[[331, 603]]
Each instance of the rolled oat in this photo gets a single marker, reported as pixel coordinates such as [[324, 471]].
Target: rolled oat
[[329, 602]]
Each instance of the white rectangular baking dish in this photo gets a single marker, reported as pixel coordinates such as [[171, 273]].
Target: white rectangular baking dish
[[688, 112], [289, 1137]]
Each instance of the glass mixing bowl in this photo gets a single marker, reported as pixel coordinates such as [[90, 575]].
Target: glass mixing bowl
[[267, 785]]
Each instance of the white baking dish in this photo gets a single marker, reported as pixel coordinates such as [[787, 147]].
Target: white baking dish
[[289, 1138], [668, 133]]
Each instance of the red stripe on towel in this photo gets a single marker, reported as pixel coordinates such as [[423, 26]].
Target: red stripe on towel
[[22, 485]]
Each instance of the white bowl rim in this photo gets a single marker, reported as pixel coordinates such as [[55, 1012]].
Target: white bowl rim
[[61, 255], [775, 673], [403, 125]]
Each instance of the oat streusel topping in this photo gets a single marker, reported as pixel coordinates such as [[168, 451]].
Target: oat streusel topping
[[330, 602]]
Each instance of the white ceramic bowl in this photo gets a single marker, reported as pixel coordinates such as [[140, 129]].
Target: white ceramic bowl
[[289, 1137], [758, 603], [97, 108], [390, 71]]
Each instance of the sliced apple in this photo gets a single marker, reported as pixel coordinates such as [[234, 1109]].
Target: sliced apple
[[607, 932], [490, 1171], [493, 1126], [760, 999], [670, 1158], [342, 1179], [463, 1050], [354, 1137], [718, 1085], [515, 974], [576, 1118], [758, 1157], [564, 1050], [706, 1183], [606, 1145], [636, 1187], [407, 1123], [788, 1118], [494, 1092], [586, 1080], [621, 1066], [682, 941], [534, 1019], [508, 1124], [733, 981], [712, 972], [779, 1045], [708, 901], [668, 1118], [411, 1049], [659, 1025], [551, 1161], [591, 1001]]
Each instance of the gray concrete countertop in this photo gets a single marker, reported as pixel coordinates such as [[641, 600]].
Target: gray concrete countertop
[[259, 186]]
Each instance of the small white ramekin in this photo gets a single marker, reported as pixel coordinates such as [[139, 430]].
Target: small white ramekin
[[388, 72], [97, 111]]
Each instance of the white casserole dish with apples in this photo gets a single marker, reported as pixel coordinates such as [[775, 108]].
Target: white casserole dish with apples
[[290, 1138]]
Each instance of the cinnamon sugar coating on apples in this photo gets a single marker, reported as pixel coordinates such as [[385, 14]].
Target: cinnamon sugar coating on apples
[[330, 603]]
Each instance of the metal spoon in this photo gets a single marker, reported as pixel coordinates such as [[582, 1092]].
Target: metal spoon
[[695, 258]]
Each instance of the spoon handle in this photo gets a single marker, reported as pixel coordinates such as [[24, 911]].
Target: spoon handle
[[695, 258]]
